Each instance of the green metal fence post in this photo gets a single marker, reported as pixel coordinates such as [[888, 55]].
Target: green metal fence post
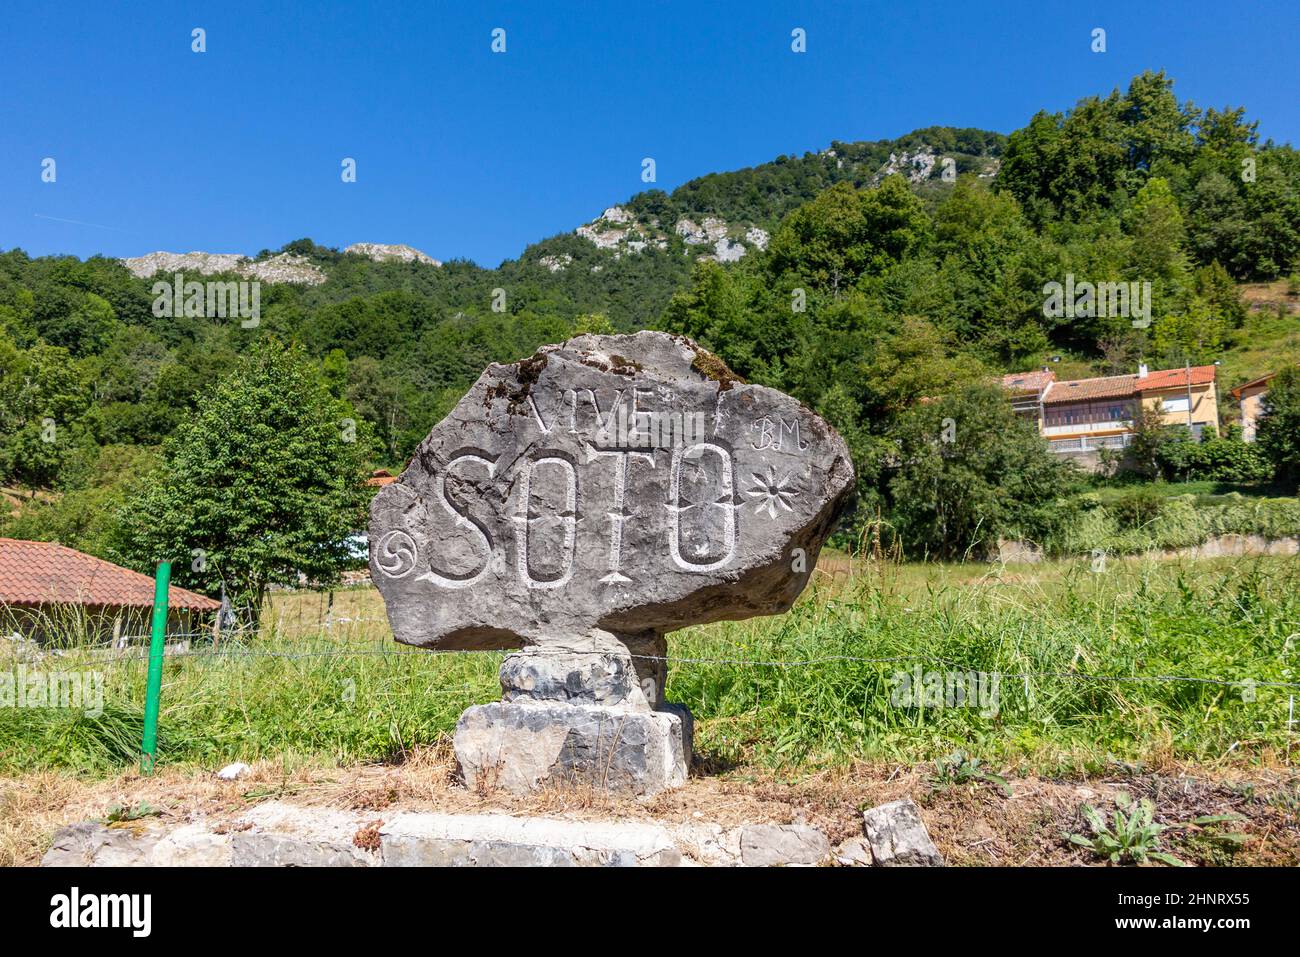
[[153, 689]]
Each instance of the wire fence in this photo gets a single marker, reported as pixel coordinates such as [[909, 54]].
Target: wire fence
[[342, 619], [326, 630], [232, 651]]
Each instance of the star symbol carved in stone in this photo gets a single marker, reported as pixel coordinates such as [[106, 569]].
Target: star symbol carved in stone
[[771, 494]]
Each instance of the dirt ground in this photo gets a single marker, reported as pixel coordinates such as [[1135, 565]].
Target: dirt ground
[[972, 824], [1267, 295]]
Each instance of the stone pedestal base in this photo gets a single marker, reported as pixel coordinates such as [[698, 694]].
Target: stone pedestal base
[[585, 714]]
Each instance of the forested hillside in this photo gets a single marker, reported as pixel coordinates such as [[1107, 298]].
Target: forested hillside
[[872, 275]]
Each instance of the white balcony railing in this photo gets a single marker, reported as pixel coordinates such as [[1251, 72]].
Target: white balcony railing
[[1089, 443]]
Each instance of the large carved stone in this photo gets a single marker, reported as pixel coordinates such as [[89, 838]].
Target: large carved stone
[[585, 501], [628, 483]]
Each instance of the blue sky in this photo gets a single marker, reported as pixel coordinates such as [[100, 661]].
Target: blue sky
[[465, 153]]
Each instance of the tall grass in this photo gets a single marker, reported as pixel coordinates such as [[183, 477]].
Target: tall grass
[[350, 694], [1102, 523], [1043, 638]]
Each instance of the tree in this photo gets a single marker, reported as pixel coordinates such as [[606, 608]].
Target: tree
[[1156, 226], [264, 482], [1193, 335], [970, 470], [1151, 438], [1215, 286], [985, 245], [94, 485], [41, 398], [846, 232], [717, 312], [1278, 433]]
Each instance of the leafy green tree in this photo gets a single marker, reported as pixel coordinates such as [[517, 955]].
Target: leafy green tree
[[1151, 439], [969, 471], [1156, 227], [846, 232], [1215, 286], [1278, 433], [1099, 154], [719, 312], [263, 483], [42, 396], [1221, 458], [989, 266], [1194, 335]]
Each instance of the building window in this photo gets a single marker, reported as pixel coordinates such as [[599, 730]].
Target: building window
[[1174, 405]]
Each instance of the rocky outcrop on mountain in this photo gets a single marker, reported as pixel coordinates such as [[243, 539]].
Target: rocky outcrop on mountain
[[717, 217], [284, 268], [381, 252], [710, 231], [619, 231], [205, 263], [917, 166], [616, 214], [556, 263], [725, 251]]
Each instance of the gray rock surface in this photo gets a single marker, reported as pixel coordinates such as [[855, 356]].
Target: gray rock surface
[[285, 267], [898, 837], [381, 252], [624, 483], [782, 845], [521, 747], [93, 843], [277, 834], [855, 852]]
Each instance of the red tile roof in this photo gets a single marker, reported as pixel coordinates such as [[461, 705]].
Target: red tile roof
[[1125, 386], [1034, 381], [1085, 390], [1173, 378], [39, 573]]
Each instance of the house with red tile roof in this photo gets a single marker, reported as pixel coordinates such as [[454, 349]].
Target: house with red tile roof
[[50, 591], [1186, 397], [1026, 391], [1087, 415]]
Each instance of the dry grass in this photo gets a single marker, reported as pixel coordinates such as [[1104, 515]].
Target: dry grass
[[974, 824]]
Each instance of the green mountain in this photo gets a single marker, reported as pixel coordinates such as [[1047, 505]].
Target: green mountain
[[903, 265]]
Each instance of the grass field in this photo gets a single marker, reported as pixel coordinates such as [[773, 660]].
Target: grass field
[[1081, 658]]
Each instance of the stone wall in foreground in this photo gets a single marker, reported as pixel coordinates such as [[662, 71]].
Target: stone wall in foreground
[[276, 834]]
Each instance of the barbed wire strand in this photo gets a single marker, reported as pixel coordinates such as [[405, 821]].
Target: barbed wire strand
[[228, 653]]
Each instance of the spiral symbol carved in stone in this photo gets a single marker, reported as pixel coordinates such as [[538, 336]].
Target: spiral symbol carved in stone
[[396, 554]]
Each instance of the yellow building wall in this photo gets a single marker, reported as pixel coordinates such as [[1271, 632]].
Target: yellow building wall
[[1205, 405]]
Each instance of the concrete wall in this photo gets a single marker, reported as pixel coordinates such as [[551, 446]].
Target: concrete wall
[[1252, 407], [1013, 552]]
